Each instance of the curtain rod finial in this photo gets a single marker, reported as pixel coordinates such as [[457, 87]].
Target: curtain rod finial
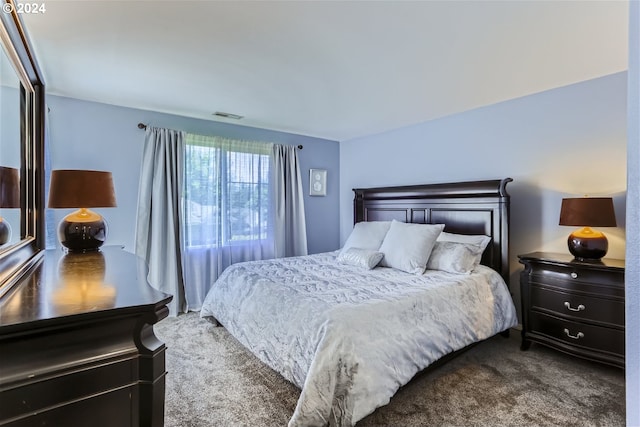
[[142, 126]]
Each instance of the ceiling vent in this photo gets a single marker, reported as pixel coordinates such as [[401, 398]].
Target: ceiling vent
[[227, 115]]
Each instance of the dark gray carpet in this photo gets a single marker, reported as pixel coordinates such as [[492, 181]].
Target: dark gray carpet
[[213, 381]]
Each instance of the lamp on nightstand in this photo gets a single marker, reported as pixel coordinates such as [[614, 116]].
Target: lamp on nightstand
[[82, 230], [9, 198], [588, 244]]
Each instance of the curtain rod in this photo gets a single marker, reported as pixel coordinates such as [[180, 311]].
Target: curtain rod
[[143, 126]]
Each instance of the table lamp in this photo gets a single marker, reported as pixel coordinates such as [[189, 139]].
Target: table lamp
[[82, 230], [9, 198], [587, 244]]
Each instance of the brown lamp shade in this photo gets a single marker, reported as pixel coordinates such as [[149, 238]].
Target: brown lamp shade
[[9, 187], [81, 189], [588, 212]]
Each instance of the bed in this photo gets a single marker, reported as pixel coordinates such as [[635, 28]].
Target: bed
[[348, 330]]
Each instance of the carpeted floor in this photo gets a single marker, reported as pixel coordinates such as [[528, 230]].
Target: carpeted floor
[[213, 381]]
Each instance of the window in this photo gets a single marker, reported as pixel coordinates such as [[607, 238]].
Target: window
[[226, 195]]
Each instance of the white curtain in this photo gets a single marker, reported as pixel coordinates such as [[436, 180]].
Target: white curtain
[[226, 209], [208, 202], [158, 232], [290, 232], [51, 237]]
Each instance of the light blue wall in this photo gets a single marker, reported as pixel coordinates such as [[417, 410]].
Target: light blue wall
[[10, 147], [90, 135], [9, 126], [632, 273], [564, 142]]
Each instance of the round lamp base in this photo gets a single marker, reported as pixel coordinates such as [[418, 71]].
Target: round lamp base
[[5, 232], [588, 247], [82, 236]]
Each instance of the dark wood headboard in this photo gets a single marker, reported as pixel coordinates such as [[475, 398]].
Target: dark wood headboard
[[476, 207]]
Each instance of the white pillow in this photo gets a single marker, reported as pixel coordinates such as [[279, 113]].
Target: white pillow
[[367, 235], [455, 257], [479, 240], [407, 246], [365, 258]]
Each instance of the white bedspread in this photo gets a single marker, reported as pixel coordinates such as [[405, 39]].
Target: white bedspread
[[350, 337]]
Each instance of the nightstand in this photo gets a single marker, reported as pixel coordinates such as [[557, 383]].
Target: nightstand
[[573, 306]]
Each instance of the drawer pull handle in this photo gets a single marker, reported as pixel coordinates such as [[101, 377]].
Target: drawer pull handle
[[574, 275], [580, 307], [575, 337]]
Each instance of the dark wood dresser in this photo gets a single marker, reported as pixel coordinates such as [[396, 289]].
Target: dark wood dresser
[[572, 306], [77, 346]]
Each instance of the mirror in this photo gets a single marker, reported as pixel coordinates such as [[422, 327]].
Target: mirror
[[21, 147], [10, 163]]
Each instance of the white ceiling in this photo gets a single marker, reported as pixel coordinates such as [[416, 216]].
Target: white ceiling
[[331, 69]]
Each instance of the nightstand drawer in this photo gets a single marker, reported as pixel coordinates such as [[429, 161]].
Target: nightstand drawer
[[603, 282], [578, 334], [582, 307]]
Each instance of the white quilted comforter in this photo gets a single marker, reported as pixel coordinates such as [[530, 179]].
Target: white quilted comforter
[[350, 337]]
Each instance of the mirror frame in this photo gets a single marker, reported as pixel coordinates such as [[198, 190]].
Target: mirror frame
[[17, 259]]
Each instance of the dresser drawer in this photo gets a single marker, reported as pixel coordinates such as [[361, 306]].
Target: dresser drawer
[[64, 388], [583, 307], [603, 282], [578, 334], [114, 408]]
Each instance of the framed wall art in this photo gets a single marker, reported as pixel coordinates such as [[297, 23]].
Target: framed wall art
[[317, 182]]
